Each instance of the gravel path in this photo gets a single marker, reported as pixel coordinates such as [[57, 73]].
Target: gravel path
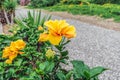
[[1, 30], [94, 45]]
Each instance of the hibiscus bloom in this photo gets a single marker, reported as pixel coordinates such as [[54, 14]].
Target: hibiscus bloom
[[59, 28], [13, 50]]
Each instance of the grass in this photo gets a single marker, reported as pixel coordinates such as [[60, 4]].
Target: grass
[[104, 11]]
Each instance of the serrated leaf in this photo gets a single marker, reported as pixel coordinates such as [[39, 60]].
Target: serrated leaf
[[96, 71]]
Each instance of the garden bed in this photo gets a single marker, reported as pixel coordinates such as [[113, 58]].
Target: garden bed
[[37, 49]]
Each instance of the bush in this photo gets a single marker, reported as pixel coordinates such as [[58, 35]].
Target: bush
[[37, 50], [10, 5], [105, 1], [43, 3], [1, 3], [74, 1], [18, 1]]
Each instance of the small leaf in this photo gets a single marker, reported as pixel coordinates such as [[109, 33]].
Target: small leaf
[[18, 63], [61, 76], [68, 75], [64, 53], [42, 66], [50, 67]]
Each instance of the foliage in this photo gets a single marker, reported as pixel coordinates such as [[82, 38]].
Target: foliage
[[10, 5], [104, 11], [18, 1], [74, 1], [1, 3], [8, 9], [43, 3], [105, 1], [84, 72], [41, 60]]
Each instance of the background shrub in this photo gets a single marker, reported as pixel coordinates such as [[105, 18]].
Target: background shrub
[[105, 1], [1, 2], [43, 3], [73, 1]]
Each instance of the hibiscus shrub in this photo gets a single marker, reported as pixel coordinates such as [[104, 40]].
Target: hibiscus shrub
[[37, 49]]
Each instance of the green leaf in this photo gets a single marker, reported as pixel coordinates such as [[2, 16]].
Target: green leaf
[[79, 68], [68, 75], [96, 71], [61, 76], [87, 74], [18, 62], [34, 76], [6, 41], [38, 16], [64, 53], [50, 66], [11, 72], [95, 78], [42, 66]]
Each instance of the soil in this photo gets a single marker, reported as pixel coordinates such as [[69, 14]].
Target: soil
[[94, 20], [6, 29]]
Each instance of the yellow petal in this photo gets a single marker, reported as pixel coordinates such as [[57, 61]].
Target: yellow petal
[[61, 25], [56, 26], [51, 25], [6, 52], [55, 40], [19, 44], [12, 56], [43, 37], [8, 61], [13, 48], [21, 52], [69, 32]]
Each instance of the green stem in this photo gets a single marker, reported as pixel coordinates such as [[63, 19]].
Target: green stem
[[57, 62]]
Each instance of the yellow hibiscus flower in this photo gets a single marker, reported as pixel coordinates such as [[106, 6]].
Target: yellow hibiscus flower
[[59, 28], [8, 53], [13, 50]]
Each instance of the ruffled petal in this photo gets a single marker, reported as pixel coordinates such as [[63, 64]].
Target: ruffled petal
[[12, 56], [69, 32], [43, 37], [55, 40], [8, 61]]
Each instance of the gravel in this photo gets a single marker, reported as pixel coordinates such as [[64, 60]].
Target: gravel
[[94, 45], [1, 29]]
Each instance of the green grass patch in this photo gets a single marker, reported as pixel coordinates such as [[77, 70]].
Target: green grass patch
[[104, 11]]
